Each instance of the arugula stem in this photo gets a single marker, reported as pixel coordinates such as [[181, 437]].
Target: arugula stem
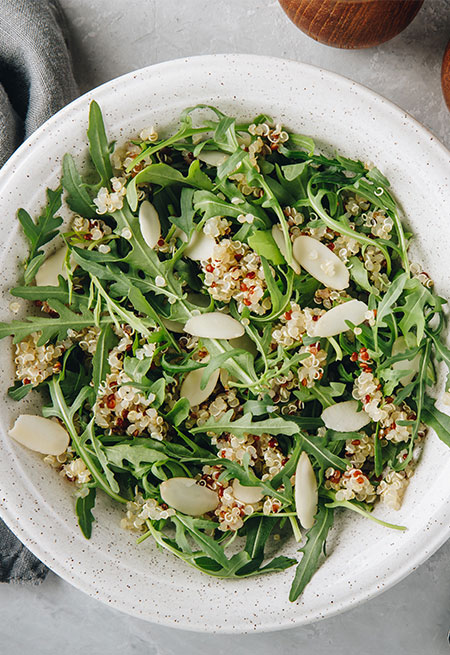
[[65, 414]]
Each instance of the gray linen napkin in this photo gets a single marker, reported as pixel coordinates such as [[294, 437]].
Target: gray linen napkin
[[36, 80]]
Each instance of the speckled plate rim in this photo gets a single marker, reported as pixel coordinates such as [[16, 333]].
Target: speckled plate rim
[[438, 533]]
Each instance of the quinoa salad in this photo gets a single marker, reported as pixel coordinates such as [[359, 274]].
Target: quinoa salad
[[229, 339]]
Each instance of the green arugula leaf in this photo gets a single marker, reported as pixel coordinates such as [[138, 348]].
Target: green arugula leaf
[[164, 175], [258, 530], [50, 327], [135, 457], [179, 412], [19, 390], [100, 365], [312, 550], [418, 298], [98, 144], [77, 197], [390, 298], [83, 509], [359, 275], [245, 425], [187, 212], [40, 232], [264, 245], [437, 420]]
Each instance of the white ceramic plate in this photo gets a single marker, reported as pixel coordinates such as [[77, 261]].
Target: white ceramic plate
[[364, 558]]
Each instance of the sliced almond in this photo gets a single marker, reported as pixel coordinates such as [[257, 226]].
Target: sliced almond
[[191, 390], [334, 320], [173, 326], [53, 266], [400, 346], [200, 247], [213, 157], [149, 224], [245, 494], [278, 237], [321, 262], [188, 497], [306, 493], [345, 417], [214, 325], [40, 434]]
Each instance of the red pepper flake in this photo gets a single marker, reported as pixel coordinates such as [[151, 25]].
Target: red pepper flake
[[364, 356], [273, 443], [251, 274], [274, 146], [367, 398], [209, 268], [238, 257], [389, 399], [353, 357], [247, 302], [356, 442], [330, 246], [244, 287], [26, 381], [288, 315], [304, 382], [315, 318], [111, 401], [360, 480], [161, 243]]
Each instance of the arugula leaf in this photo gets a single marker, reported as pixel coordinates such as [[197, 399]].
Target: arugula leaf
[[179, 412], [312, 550], [19, 390], [245, 425], [417, 298], [50, 327], [100, 364], [187, 212], [359, 275], [83, 509], [77, 197], [165, 175], [98, 144], [390, 298], [210, 205], [437, 420], [315, 446], [443, 355], [40, 232], [264, 245], [258, 530], [208, 545], [135, 457]]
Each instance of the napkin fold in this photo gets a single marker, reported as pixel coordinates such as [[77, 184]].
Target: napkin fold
[[36, 80]]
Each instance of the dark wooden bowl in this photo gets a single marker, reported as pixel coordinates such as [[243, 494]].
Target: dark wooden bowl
[[445, 75], [351, 23]]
